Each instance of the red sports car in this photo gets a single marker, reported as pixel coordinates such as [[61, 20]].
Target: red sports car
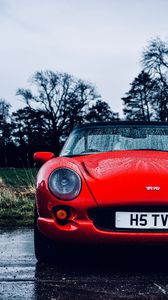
[[109, 185]]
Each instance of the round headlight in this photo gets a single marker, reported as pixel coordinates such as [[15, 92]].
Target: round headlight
[[64, 183]]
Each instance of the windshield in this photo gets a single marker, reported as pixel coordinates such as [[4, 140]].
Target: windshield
[[95, 139]]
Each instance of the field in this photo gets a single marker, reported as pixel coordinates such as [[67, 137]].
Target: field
[[17, 189]]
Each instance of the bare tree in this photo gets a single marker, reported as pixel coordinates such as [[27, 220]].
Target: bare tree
[[155, 62], [64, 100], [4, 121], [155, 59], [4, 110], [5, 130]]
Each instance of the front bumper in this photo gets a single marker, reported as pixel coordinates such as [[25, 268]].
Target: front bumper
[[84, 231]]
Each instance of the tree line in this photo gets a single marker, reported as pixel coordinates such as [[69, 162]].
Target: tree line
[[58, 102], [55, 105]]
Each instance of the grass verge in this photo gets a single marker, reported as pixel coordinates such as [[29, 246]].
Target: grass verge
[[17, 197]]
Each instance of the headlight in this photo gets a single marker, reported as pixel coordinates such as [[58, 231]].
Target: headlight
[[64, 183]]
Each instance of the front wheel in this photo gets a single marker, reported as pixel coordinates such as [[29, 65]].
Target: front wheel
[[45, 249]]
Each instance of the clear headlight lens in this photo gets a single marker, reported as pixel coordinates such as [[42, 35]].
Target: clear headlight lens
[[65, 184]]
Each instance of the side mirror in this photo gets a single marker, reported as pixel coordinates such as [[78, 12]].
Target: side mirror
[[41, 157]]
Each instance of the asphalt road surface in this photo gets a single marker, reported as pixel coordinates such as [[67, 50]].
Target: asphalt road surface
[[87, 274]]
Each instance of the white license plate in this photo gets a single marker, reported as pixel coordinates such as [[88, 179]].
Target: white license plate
[[146, 220]]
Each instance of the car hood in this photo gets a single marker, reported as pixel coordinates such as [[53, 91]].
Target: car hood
[[124, 177]]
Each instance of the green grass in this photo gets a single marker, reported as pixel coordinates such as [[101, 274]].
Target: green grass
[[18, 177], [17, 189]]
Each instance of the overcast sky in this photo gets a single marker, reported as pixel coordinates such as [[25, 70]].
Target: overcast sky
[[97, 40]]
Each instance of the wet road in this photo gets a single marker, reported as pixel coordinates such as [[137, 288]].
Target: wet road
[[136, 274]]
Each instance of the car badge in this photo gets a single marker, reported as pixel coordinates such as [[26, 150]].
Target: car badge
[[153, 188]]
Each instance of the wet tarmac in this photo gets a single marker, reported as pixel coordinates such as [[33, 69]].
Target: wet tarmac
[[87, 274]]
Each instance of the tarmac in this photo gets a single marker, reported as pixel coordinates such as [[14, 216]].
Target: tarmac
[[88, 274]]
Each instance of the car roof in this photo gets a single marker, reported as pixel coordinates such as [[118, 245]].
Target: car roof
[[121, 123]]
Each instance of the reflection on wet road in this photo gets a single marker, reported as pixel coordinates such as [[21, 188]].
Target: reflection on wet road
[[125, 274]]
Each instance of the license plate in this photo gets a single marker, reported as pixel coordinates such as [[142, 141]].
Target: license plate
[[146, 220]]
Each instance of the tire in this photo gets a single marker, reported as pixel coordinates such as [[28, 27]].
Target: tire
[[45, 249]]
